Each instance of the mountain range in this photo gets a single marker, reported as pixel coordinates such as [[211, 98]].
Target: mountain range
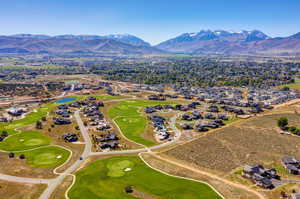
[[202, 42], [118, 44], [228, 42]]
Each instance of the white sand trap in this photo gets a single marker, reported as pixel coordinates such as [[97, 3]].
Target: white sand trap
[[59, 156], [127, 169]]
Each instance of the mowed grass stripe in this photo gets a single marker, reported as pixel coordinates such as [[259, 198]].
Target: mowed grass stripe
[[107, 179], [127, 115]]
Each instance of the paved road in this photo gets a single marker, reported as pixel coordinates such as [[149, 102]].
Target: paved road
[[25, 180], [86, 153]]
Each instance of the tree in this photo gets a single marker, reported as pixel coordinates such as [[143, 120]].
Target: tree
[[22, 156], [286, 88], [11, 155], [39, 125], [44, 119], [4, 134], [128, 189], [282, 123]]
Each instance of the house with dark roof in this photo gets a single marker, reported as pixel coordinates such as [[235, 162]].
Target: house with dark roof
[[261, 176], [291, 164], [70, 137]]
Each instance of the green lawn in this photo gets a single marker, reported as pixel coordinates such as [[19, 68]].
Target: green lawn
[[295, 85], [107, 179], [24, 141], [127, 115], [231, 120], [46, 157]]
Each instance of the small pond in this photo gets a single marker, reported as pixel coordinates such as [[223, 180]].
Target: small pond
[[64, 100]]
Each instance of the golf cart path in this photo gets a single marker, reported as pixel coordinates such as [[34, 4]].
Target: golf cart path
[[25, 180]]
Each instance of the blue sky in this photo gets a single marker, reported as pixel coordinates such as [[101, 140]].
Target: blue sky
[[152, 20]]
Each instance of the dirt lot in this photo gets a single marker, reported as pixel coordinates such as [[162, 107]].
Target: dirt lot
[[10, 190]]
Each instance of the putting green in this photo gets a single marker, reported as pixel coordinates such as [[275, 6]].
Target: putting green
[[118, 169], [127, 115], [24, 141], [46, 157], [96, 181]]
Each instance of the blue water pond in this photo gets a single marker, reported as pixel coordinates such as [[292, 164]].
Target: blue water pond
[[65, 100]]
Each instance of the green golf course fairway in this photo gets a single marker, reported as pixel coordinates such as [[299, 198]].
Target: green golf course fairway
[[27, 120], [107, 178], [24, 141], [127, 115], [33, 144], [46, 157]]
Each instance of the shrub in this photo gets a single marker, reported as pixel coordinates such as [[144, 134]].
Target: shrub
[[282, 122], [11, 155]]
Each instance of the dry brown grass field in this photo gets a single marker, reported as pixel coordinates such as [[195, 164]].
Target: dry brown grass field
[[17, 167], [11, 190], [251, 141]]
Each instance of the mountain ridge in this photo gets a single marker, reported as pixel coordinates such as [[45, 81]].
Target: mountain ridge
[[230, 42], [29, 44], [125, 38]]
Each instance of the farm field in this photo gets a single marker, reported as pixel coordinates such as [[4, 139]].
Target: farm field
[[127, 114], [107, 178], [254, 141]]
